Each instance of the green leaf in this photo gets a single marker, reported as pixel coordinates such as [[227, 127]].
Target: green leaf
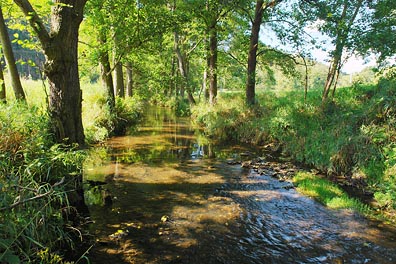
[[10, 258]]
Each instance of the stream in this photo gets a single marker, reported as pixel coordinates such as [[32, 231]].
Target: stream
[[164, 194]]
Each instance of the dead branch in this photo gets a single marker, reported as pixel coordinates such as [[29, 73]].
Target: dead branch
[[33, 198]]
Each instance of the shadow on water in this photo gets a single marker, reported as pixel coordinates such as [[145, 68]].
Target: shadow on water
[[159, 199]]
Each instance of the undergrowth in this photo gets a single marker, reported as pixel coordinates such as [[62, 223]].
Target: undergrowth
[[353, 135], [39, 180], [36, 177], [99, 123]]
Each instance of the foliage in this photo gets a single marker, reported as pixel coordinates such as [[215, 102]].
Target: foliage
[[380, 37], [353, 136], [222, 120], [180, 106], [34, 178], [99, 123]]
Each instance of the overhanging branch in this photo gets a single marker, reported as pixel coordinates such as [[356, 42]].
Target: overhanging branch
[[34, 20]]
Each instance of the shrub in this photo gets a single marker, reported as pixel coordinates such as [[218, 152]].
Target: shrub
[[100, 123]]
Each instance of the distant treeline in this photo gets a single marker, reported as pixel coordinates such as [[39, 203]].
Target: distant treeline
[[29, 60]]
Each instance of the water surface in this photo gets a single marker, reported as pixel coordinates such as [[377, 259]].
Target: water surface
[[164, 195]]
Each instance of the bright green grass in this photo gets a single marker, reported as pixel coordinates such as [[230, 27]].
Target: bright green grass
[[328, 193]]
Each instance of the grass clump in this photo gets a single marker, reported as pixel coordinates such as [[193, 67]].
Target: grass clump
[[36, 177], [99, 122], [327, 193], [222, 120]]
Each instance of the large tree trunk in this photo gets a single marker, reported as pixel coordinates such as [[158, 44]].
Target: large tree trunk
[[129, 74], [119, 80], [252, 57], [107, 78], [61, 66], [9, 56]]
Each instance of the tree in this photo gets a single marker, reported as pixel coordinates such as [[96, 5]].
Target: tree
[[213, 14], [182, 59], [381, 35], [3, 97], [343, 21], [9, 56], [105, 71], [119, 85], [212, 27], [59, 45], [129, 73], [260, 9]]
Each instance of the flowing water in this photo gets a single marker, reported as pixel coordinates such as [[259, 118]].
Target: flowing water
[[164, 195]]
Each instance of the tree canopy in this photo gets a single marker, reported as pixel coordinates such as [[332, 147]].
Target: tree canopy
[[191, 49]]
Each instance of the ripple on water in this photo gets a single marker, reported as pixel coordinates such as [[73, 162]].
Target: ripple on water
[[215, 213]]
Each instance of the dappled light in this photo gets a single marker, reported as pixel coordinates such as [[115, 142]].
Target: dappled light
[[170, 205]]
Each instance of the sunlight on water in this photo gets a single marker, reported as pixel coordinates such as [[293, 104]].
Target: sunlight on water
[[156, 197]]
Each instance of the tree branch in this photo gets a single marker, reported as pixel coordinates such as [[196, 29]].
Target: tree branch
[[236, 59], [34, 197], [194, 47], [34, 20]]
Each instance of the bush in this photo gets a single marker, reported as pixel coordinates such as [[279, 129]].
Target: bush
[[100, 123], [222, 119]]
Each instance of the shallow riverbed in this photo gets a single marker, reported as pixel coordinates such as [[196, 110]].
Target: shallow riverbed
[[164, 195]]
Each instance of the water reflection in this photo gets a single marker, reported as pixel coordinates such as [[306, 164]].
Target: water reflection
[[171, 203]]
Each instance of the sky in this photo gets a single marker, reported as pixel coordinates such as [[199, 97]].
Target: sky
[[354, 64]]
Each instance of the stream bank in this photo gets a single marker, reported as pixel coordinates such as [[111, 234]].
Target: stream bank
[[168, 202]]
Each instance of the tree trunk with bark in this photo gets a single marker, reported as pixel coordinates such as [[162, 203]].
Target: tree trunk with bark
[[129, 74], [60, 46], [252, 57], [331, 75], [183, 68], [3, 97], [105, 71], [10, 59], [119, 80], [206, 70], [172, 81], [213, 62], [342, 35]]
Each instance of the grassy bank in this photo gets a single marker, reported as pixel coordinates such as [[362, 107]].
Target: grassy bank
[[39, 180], [353, 136]]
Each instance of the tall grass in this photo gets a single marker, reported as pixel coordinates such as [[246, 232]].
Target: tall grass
[[38, 178], [35, 177], [353, 136]]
